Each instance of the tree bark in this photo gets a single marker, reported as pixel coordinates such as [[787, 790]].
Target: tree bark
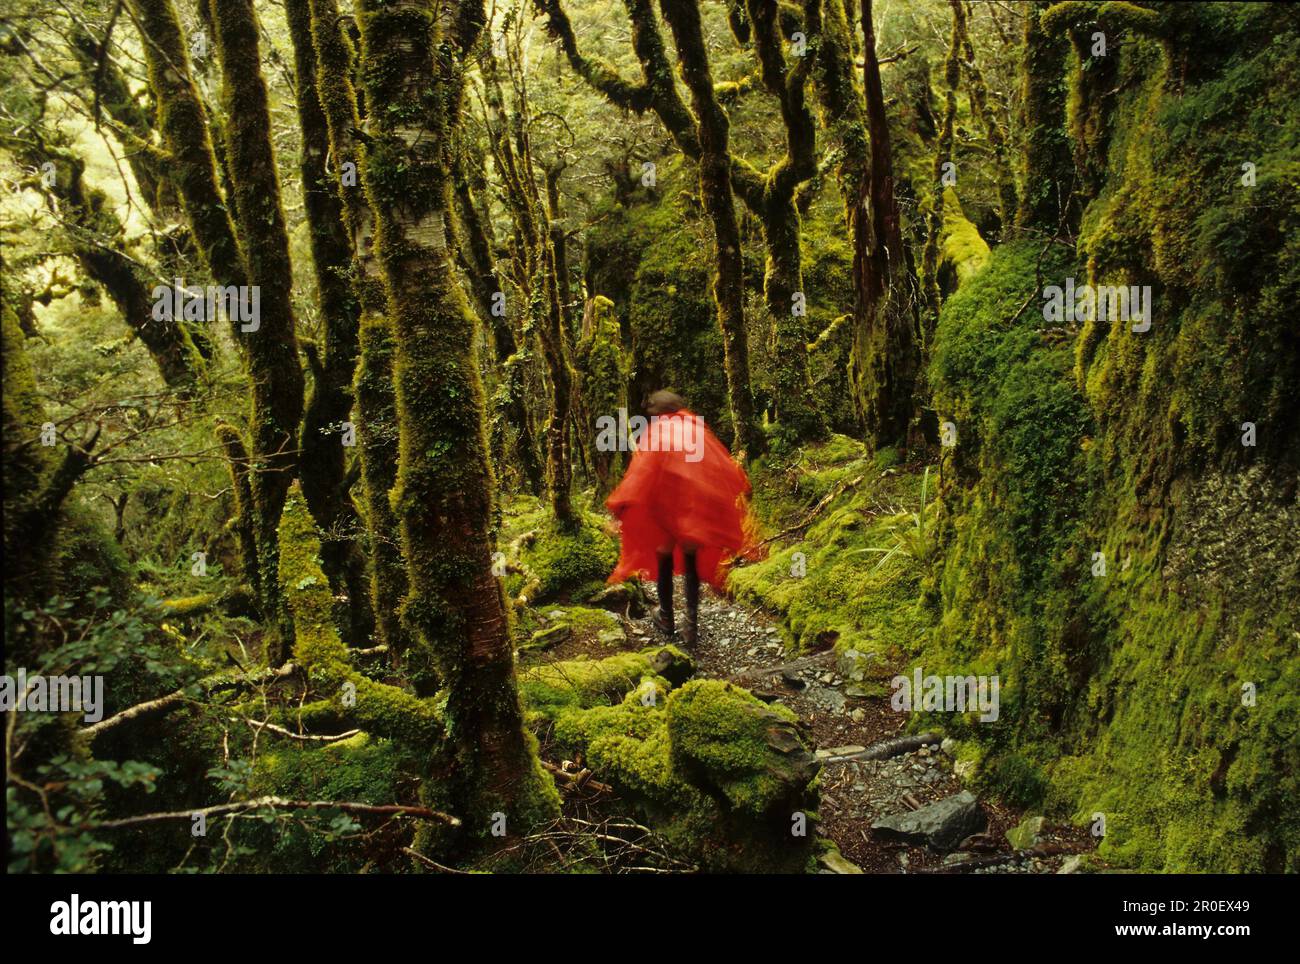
[[683, 18], [322, 469], [272, 349], [410, 54]]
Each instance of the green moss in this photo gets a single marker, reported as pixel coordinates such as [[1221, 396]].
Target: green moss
[[551, 689], [560, 563], [720, 731], [717, 771], [829, 581], [1122, 694], [963, 252], [360, 769]]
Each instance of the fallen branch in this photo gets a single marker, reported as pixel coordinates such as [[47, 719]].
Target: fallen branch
[[826, 500], [431, 863], [761, 672], [888, 748], [277, 803], [209, 685], [573, 782], [318, 738]]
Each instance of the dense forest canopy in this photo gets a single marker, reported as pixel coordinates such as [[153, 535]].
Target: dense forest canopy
[[325, 326]]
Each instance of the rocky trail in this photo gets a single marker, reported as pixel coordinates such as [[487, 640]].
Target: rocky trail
[[924, 820]]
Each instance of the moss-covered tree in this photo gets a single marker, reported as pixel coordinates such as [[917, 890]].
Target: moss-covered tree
[[683, 18], [373, 388], [412, 64], [322, 466], [1048, 184], [271, 350], [490, 295], [885, 357]]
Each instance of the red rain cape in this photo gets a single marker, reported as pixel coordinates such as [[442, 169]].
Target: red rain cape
[[682, 489]]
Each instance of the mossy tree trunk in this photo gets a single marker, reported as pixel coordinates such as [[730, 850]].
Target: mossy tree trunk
[[489, 293], [683, 18], [1047, 201], [843, 111], [885, 358], [943, 155], [34, 489], [183, 124], [783, 289], [993, 132], [537, 274], [134, 127], [411, 62], [94, 234], [244, 519], [601, 360], [272, 349], [1092, 81], [373, 390], [322, 468]]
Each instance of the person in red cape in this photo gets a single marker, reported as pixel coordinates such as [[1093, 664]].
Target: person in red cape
[[682, 507]]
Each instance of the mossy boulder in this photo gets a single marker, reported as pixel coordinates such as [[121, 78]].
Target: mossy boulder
[[550, 690], [729, 780], [731, 744]]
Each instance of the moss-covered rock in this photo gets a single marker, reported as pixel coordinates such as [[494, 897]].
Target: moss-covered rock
[[728, 779]]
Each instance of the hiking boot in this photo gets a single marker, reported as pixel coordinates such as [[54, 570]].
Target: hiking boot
[[663, 621]]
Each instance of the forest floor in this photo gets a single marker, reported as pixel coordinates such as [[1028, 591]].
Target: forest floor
[[743, 645]]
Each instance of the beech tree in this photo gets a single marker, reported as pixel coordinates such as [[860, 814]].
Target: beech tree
[[412, 61]]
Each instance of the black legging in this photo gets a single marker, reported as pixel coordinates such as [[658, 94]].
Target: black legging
[[666, 584]]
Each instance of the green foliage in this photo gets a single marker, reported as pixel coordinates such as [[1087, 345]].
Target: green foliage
[[826, 581]]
